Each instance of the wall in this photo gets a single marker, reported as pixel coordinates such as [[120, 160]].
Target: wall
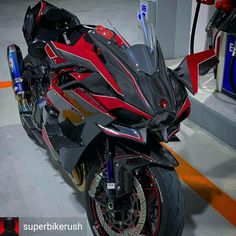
[[173, 26]]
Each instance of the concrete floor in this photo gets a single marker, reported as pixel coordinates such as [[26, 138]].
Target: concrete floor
[[32, 186]]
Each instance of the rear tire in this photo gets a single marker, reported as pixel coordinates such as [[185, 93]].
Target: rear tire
[[172, 203]]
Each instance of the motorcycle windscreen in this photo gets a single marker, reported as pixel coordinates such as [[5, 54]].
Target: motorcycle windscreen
[[148, 59], [139, 70], [143, 57]]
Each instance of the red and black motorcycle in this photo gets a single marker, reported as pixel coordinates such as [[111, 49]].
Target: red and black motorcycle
[[102, 107]]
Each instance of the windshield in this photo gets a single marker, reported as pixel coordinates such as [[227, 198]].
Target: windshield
[[143, 57]]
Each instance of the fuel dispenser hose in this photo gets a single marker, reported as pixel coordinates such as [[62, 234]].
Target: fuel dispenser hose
[[194, 26]]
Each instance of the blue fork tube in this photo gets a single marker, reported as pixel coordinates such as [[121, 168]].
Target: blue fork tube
[[111, 187], [110, 171]]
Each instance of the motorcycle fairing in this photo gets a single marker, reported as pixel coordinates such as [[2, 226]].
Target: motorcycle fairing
[[138, 90], [189, 69], [93, 82], [138, 135], [185, 106], [132, 84], [52, 55], [179, 91], [79, 59], [113, 103], [163, 157], [78, 117], [41, 11], [83, 56], [138, 87], [119, 65], [46, 138]]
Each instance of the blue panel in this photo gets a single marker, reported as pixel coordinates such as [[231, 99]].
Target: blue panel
[[228, 56], [144, 8], [16, 68], [139, 16]]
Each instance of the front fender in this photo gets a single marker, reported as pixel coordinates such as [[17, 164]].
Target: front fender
[[163, 157], [124, 166], [159, 155]]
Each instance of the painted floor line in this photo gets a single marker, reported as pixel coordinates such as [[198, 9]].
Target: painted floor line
[[211, 193], [5, 84]]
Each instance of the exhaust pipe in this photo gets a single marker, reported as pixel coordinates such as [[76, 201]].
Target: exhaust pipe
[[15, 63]]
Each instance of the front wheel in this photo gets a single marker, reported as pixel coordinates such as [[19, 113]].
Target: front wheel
[[155, 207]]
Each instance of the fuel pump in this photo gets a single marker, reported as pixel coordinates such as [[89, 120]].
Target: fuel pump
[[224, 20]]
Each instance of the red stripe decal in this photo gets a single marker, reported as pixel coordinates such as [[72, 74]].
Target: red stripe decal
[[41, 11], [46, 138], [173, 133], [121, 135], [194, 61], [80, 76], [89, 100], [51, 54], [185, 106], [106, 33], [134, 81], [79, 51], [111, 103]]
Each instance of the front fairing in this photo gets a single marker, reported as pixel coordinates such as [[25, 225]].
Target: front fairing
[[142, 88]]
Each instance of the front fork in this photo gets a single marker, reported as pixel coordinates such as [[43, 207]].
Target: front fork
[[117, 180], [110, 174]]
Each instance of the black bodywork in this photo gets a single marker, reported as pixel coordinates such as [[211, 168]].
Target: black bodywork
[[67, 122]]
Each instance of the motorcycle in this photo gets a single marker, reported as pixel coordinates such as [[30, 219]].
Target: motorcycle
[[102, 107]]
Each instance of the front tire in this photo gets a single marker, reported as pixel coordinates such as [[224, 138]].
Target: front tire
[[164, 203]]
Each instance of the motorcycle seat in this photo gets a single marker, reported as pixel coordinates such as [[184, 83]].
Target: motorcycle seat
[[40, 28], [56, 19]]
